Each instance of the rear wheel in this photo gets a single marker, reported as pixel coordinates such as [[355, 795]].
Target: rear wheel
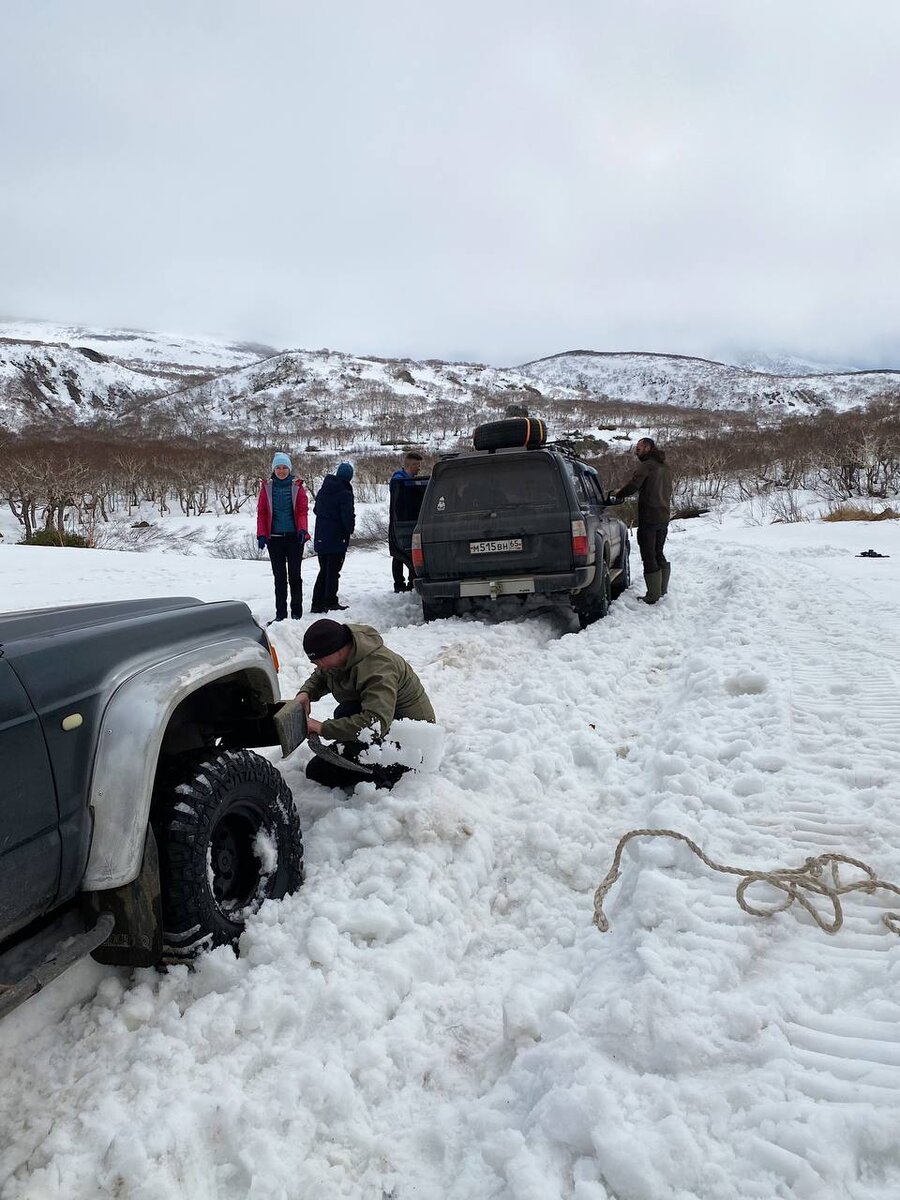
[[437, 610], [594, 605], [624, 579], [229, 838]]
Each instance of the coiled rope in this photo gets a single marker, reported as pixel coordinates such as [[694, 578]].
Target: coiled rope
[[818, 876]]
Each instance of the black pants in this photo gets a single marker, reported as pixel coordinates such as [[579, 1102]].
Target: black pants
[[651, 539], [400, 570], [286, 555], [331, 775], [325, 589]]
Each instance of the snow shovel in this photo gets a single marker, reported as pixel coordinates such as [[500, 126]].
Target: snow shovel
[[330, 755], [290, 724], [289, 720]]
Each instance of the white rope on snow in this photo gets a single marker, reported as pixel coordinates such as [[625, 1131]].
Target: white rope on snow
[[818, 876]]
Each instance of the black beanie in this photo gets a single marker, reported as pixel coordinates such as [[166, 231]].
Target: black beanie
[[325, 637]]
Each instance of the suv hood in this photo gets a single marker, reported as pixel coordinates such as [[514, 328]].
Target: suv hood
[[37, 622]]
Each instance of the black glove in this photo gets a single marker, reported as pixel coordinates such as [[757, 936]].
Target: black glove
[[262, 542]]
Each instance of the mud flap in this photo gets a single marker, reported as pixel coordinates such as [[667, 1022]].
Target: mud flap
[[136, 938]]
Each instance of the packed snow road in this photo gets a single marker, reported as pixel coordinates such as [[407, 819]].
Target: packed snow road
[[434, 1014]]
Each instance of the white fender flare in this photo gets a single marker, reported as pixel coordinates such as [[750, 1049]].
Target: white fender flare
[[134, 724]]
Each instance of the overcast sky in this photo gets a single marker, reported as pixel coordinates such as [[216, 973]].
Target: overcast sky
[[496, 180]]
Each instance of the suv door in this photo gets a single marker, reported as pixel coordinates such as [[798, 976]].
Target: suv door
[[610, 525], [29, 820], [586, 498], [404, 506]]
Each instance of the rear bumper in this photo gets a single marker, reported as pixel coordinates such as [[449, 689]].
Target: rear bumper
[[511, 585]]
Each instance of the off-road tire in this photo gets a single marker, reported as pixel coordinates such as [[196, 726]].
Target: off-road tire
[[529, 432], [623, 580], [208, 813], [594, 606], [437, 610]]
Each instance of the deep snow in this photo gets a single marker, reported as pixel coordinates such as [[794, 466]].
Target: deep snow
[[434, 1015]]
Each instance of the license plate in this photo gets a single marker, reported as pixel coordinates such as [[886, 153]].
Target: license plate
[[500, 547]]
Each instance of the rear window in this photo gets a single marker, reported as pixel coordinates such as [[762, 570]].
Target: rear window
[[496, 483]]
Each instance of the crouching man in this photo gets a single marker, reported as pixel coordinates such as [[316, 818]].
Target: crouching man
[[372, 686]]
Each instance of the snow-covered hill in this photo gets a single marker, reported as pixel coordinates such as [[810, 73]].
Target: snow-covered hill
[[71, 373], [136, 348], [74, 374], [788, 364], [343, 390], [702, 383]]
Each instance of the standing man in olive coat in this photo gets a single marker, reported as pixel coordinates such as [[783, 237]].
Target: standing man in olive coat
[[653, 483]]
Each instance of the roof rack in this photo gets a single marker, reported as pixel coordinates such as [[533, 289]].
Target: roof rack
[[566, 449]]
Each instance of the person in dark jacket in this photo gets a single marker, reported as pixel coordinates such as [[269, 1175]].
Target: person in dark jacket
[[372, 685], [653, 483], [402, 573], [335, 521], [282, 528]]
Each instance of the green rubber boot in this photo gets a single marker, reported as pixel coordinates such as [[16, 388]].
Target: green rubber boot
[[654, 584], [666, 572]]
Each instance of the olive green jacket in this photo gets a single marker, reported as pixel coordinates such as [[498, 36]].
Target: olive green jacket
[[653, 483], [381, 681]]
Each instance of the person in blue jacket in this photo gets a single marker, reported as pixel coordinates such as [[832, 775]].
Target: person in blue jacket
[[335, 520], [401, 571]]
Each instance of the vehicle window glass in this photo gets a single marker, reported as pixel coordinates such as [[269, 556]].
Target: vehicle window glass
[[596, 487], [497, 483], [582, 491]]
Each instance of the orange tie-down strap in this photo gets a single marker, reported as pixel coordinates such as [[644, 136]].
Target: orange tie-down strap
[[539, 429]]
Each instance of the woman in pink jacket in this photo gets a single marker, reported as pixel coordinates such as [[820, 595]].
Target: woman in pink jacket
[[282, 528]]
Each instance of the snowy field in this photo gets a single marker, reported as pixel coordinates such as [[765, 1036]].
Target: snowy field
[[434, 1016]]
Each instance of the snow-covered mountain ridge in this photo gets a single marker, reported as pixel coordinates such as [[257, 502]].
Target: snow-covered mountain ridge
[[74, 374], [646, 378]]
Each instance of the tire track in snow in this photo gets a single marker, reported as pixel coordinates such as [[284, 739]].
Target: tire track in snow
[[842, 684], [574, 735], [672, 655], [736, 1029]]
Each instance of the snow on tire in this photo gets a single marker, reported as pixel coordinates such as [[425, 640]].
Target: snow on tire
[[229, 838], [594, 605]]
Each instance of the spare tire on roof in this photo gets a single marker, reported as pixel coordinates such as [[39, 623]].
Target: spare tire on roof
[[528, 432]]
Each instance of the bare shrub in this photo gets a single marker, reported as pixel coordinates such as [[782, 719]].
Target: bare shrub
[[786, 509], [121, 535], [371, 532], [234, 544]]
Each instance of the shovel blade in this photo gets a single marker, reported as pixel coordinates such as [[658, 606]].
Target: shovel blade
[[290, 725]]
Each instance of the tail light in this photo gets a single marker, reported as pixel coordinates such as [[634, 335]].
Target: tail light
[[579, 543], [418, 557]]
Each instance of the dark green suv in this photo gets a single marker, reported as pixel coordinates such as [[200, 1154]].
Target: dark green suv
[[518, 526]]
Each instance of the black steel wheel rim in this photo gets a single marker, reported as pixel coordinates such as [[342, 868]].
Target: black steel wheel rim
[[233, 859]]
